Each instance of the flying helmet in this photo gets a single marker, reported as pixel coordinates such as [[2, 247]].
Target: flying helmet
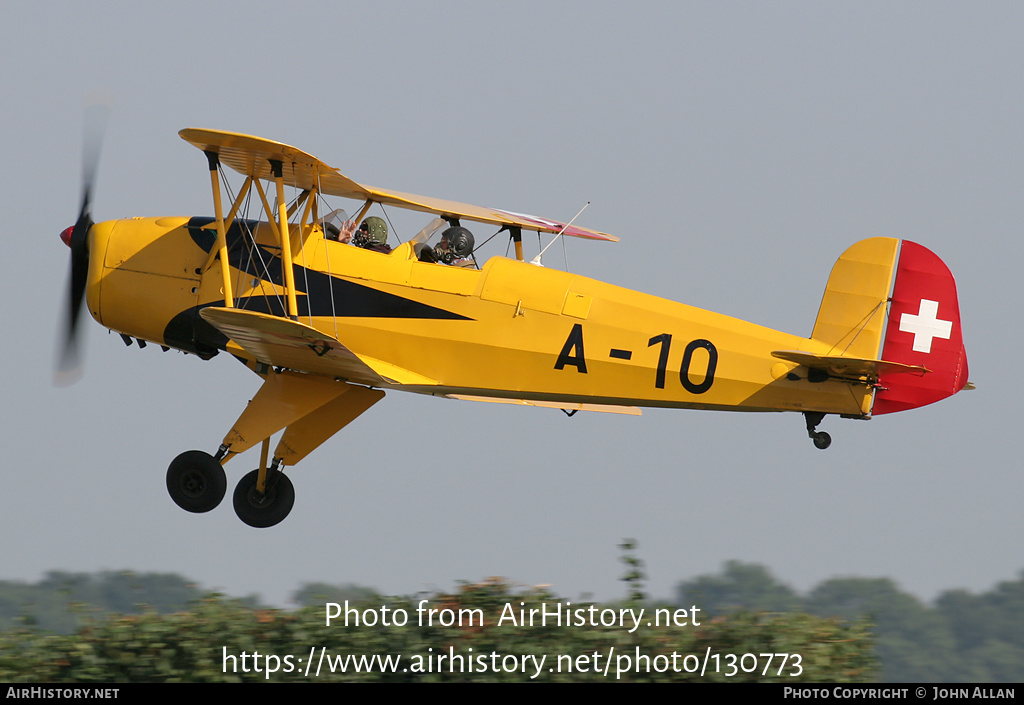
[[460, 244], [372, 231]]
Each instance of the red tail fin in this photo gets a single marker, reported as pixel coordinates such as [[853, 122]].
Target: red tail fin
[[923, 329]]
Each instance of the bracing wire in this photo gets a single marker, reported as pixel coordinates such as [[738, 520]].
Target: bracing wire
[[330, 275], [391, 227], [305, 269], [265, 268]]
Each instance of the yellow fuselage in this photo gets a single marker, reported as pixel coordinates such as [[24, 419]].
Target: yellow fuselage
[[511, 329]]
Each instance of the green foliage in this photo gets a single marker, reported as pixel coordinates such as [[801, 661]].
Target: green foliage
[[914, 642], [988, 631], [742, 586], [61, 601], [312, 594], [964, 638], [635, 575], [197, 645], [132, 627]]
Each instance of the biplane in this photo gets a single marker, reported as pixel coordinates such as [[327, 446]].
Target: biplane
[[330, 327]]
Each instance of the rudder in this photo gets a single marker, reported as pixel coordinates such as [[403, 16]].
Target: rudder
[[924, 329]]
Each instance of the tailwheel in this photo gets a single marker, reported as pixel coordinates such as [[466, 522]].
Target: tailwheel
[[821, 439], [196, 481], [268, 508]]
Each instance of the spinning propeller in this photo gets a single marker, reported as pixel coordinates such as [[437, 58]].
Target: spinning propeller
[[77, 238]]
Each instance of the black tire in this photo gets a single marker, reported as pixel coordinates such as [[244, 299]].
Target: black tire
[[265, 510], [196, 481], [822, 440]]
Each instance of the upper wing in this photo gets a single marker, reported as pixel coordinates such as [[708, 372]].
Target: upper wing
[[250, 156], [480, 214]]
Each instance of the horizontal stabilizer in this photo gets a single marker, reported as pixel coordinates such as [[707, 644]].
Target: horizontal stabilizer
[[840, 366]]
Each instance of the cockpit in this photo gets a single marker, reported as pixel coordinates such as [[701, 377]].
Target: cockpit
[[453, 244]]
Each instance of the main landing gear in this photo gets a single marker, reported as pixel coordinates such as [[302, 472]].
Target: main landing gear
[[197, 483], [267, 508], [821, 439], [309, 408]]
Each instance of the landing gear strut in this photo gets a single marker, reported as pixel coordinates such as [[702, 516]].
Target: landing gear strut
[[821, 439]]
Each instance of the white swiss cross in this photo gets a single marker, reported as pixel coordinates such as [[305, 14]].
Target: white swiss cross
[[926, 325]]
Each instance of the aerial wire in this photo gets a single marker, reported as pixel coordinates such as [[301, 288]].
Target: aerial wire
[[536, 260]]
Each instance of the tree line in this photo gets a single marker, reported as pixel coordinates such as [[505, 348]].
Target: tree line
[[127, 626], [961, 637]]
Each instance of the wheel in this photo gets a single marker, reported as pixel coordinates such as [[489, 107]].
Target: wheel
[[822, 440], [267, 509], [196, 481]]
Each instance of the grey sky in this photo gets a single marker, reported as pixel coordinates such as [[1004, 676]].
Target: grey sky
[[736, 148]]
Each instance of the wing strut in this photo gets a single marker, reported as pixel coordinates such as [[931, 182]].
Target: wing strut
[[214, 251], [517, 238], [221, 248], [222, 238], [276, 168]]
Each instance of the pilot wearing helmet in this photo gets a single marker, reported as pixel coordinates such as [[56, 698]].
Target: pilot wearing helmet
[[372, 234], [455, 247]]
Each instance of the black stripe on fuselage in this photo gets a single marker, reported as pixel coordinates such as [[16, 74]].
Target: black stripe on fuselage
[[350, 299], [315, 292]]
